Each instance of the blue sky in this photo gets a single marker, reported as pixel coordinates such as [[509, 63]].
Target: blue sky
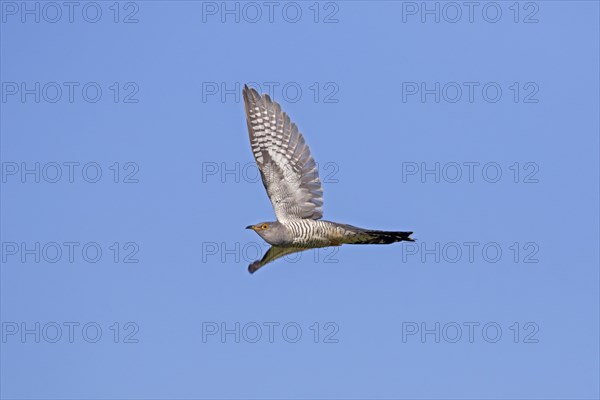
[[127, 181]]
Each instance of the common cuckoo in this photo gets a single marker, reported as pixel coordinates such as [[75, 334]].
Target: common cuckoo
[[290, 176]]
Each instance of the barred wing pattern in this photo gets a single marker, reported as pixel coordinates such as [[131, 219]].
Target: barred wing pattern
[[287, 168]]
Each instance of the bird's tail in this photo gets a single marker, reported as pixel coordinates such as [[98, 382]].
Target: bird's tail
[[382, 237]]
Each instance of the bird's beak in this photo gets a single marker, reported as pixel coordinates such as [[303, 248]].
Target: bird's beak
[[250, 227]]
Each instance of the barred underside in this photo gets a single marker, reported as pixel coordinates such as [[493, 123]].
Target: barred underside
[[307, 234]]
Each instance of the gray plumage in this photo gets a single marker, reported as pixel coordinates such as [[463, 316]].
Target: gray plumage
[[291, 178]]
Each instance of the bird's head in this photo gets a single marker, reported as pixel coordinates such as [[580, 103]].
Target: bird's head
[[272, 232]]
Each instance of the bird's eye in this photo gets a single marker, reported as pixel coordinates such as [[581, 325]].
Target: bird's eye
[[264, 226]]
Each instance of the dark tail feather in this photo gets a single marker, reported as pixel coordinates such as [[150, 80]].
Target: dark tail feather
[[385, 237]]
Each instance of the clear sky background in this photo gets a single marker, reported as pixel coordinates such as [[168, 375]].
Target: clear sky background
[[503, 279]]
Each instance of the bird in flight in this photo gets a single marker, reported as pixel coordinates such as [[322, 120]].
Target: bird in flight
[[290, 175]]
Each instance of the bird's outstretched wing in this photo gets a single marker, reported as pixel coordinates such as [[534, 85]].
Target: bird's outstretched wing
[[273, 254], [288, 171]]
